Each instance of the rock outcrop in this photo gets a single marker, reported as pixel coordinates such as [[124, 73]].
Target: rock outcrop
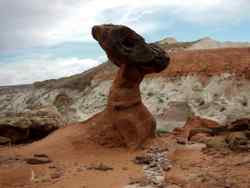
[[235, 135], [196, 125], [125, 120], [30, 125]]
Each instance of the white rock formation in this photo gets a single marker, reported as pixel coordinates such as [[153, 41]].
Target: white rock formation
[[172, 101]]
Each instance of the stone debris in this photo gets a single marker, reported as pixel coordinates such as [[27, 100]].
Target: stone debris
[[155, 163]]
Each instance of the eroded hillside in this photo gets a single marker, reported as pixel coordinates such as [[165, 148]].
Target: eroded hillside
[[202, 90], [211, 78]]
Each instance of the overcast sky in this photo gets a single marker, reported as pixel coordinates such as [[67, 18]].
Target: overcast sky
[[44, 39]]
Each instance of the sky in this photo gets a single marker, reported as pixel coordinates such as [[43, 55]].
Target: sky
[[44, 39]]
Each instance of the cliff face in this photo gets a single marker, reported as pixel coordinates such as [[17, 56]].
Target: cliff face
[[209, 83]]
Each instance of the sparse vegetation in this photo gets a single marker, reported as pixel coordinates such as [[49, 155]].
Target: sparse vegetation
[[160, 131], [160, 100]]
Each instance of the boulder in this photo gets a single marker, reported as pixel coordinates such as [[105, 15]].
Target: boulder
[[196, 125], [30, 125], [235, 136]]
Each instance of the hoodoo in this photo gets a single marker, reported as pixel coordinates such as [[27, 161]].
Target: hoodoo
[[126, 121]]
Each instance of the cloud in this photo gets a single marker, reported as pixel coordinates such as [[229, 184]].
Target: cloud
[[42, 68], [25, 24]]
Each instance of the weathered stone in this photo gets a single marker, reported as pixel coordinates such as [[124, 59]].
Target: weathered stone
[[15, 128], [126, 120], [31, 125], [197, 125], [238, 141], [240, 125]]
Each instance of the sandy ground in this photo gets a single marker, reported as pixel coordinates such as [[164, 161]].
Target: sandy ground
[[192, 165], [70, 156]]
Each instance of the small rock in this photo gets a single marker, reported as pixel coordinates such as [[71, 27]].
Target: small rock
[[41, 155], [52, 166], [37, 160], [238, 141], [56, 175], [101, 167], [143, 160]]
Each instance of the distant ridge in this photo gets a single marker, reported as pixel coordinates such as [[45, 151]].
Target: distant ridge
[[168, 40], [209, 43]]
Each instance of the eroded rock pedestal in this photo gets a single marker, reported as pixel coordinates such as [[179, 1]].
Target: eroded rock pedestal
[[125, 120]]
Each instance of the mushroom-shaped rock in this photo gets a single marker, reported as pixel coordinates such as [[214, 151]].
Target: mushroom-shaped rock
[[125, 120]]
